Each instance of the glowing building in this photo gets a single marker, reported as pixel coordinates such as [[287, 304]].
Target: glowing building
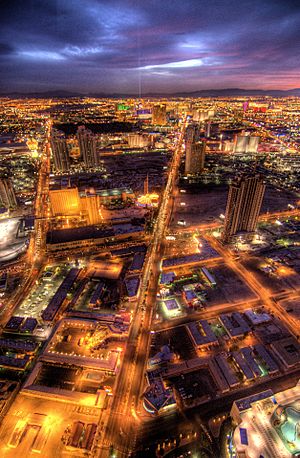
[[194, 151], [60, 154], [244, 201], [65, 202], [246, 144], [90, 203], [88, 147], [267, 424], [159, 115], [137, 140], [7, 193]]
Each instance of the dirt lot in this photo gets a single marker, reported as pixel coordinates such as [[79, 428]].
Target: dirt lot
[[206, 205]]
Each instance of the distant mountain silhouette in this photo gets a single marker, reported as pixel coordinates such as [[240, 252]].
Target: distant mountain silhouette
[[200, 93]]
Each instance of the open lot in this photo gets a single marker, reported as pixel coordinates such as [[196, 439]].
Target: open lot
[[132, 169], [292, 306], [206, 205], [229, 288], [284, 279]]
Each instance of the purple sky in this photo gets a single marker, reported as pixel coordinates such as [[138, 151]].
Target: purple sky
[[165, 45]]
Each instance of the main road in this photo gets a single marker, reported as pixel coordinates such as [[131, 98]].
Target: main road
[[122, 422]]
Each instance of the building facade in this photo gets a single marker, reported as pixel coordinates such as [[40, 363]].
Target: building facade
[[159, 115], [88, 147], [7, 193], [65, 202], [244, 202], [246, 144], [60, 154], [194, 151]]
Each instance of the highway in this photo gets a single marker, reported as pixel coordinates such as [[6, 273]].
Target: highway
[[122, 421]]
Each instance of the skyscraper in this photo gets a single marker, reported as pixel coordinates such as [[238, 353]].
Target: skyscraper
[[7, 193], [207, 129], [159, 115], [194, 151], [87, 146], [195, 158], [253, 144], [244, 201], [246, 144], [241, 144], [60, 152]]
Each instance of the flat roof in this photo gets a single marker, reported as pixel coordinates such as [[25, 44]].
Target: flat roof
[[90, 232], [201, 332]]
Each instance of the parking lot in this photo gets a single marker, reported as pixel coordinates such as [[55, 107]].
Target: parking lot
[[45, 289]]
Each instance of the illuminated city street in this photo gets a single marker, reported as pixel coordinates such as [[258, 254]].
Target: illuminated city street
[[149, 229]]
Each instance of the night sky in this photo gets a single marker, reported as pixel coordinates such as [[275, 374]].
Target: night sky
[[166, 45]]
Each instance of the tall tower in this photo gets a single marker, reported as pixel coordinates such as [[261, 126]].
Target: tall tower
[[7, 193], [253, 144], [159, 115], [244, 201], [194, 161], [241, 144], [87, 146], [60, 152], [207, 129], [194, 151], [191, 135], [246, 144]]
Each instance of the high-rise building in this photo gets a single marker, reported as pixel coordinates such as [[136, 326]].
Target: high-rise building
[[194, 151], [137, 140], [207, 129], [253, 144], [244, 201], [192, 135], [241, 144], [159, 115], [246, 144], [194, 160], [90, 203], [88, 147], [7, 193], [65, 202], [60, 152]]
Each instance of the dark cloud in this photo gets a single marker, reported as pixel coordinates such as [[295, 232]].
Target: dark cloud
[[113, 45], [6, 49]]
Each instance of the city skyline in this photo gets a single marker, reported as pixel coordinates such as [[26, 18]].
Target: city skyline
[[149, 229], [141, 47]]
